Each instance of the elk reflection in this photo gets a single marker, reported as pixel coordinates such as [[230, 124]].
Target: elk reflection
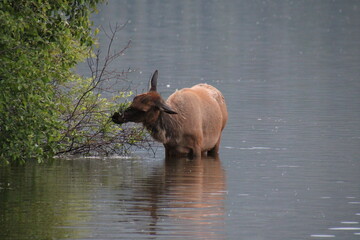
[[184, 198]]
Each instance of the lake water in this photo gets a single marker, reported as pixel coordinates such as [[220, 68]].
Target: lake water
[[289, 165]]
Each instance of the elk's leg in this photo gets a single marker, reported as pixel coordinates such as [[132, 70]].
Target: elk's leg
[[196, 152], [215, 150], [196, 149], [171, 152], [193, 143]]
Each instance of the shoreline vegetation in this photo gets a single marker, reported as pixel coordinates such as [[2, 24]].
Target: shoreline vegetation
[[46, 109]]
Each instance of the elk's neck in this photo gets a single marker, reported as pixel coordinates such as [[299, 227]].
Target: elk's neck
[[165, 128]]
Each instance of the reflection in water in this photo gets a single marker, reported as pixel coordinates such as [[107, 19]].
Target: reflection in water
[[35, 199], [184, 198], [113, 199]]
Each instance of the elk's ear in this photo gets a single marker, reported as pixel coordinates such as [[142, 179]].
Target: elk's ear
[[153, 82], [165, 108]]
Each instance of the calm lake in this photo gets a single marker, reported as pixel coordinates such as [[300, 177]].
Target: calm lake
[[289, 164]]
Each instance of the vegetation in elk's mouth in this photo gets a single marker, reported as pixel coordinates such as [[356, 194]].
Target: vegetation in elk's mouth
[[122, 107]]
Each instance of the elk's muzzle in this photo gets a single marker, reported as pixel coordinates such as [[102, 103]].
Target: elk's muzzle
[[118, 118]]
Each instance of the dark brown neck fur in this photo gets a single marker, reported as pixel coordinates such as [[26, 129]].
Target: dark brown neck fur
[[164, 128]]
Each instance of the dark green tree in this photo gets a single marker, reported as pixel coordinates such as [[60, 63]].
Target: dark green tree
[[40, 42]]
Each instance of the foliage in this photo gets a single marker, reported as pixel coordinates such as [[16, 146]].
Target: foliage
[[86, 113], [88, 128], [40, 43]]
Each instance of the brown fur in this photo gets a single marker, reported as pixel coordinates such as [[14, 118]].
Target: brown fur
[[189, 123]]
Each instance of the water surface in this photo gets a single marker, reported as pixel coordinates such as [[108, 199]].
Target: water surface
[[289, 164]]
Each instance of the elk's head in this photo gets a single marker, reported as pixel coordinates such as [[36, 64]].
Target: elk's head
[[145, 107]]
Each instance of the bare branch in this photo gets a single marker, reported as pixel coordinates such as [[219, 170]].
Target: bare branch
[[89, 129]]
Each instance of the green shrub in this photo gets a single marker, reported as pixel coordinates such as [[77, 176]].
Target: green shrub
[[40, 43]]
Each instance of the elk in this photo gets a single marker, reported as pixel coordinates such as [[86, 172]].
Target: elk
[[189, 123]]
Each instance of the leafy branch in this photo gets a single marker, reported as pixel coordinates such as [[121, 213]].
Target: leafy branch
[[86, 112]]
